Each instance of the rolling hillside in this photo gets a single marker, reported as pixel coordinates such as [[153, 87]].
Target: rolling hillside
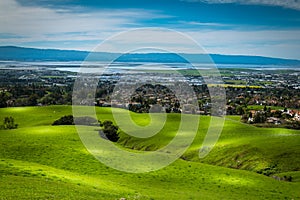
[[40, 161]]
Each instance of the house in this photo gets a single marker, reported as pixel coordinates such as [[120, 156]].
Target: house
[[273, 120], [297, 116]]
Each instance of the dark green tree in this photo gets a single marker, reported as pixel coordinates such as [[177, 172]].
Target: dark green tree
[[260, 117], [9, 123], [111, 131], [240, 110], [32, 100], [65, 120]]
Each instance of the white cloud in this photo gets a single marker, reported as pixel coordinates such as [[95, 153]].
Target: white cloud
[[274, 43], [160, 40], [292, 4], [205, 24], [36, 23], [68, 29]]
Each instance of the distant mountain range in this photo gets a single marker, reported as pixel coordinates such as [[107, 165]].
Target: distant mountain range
[[13, 53]]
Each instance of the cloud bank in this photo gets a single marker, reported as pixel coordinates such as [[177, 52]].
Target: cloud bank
[[291, 4], [25, 24], [83, 28]]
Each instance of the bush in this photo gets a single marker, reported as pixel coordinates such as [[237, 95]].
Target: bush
[[293, 125], [65, 120], [9, 123], [288, 178], [70, 120], [260, 117], [110, 131]]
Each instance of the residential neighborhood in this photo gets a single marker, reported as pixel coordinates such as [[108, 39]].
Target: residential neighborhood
[[162, 92]]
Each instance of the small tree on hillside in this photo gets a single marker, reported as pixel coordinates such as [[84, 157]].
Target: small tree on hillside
[[70, 120], [9, 123], [65, 120], [111, 131]]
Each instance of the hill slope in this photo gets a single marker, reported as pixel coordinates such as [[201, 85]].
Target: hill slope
[[32, 54], [40, 161]]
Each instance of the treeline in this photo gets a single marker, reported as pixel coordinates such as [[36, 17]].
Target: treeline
[[32, 95], [237, 98], [280, 97]]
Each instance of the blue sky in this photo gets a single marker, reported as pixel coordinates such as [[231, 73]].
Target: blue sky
[[257, 27]]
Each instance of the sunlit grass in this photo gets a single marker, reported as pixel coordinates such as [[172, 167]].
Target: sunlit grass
[[41, 161]]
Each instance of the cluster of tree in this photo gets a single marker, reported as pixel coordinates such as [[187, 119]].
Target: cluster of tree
[[32, 95], [70, 120], [65, 120], [139, 108], [9, 123], [236, 110], [283, 97], [110, 131]]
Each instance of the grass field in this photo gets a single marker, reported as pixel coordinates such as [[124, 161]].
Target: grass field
[[259, 107], [40, 161]]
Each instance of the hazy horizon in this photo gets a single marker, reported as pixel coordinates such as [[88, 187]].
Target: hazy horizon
[[150, 52], [269, 28]]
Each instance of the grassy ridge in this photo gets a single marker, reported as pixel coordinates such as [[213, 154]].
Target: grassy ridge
[[40, 161], [240, 146]]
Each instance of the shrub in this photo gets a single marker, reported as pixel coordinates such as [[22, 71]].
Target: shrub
[[65, 120], [288, 178], [9, 123], [70, 120], [110, 131], [293, 125], [260, 117]]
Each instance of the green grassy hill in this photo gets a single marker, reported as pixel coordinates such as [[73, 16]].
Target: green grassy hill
[[40, 161]]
